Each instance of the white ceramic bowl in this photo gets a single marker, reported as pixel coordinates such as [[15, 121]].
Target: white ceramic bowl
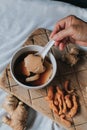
[[27, 49]]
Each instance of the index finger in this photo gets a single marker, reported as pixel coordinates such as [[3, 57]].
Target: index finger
[[60, 25], [56, 29]]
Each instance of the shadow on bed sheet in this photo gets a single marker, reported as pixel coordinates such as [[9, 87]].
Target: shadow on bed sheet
[[80, 3]]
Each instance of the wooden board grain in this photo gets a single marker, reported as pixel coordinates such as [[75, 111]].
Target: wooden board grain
[[36, 98]]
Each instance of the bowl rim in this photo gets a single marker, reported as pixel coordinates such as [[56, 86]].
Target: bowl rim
[[50, 55]]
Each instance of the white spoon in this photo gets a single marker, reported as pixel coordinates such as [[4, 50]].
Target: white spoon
[[45, 50]]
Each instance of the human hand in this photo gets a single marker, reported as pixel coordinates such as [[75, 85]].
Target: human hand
[[70, 29]]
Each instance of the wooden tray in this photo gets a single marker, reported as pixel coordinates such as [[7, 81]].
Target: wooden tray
[[35, 98]]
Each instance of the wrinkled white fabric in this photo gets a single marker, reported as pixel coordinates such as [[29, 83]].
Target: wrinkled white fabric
[[18, 18]]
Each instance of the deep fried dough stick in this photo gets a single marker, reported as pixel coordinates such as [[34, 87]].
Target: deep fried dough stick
[[64, 107], [68, 101], [66, 122], [60, 91], [60, 103], [53, 107], [56, 99], [66, 85], [74, 109]]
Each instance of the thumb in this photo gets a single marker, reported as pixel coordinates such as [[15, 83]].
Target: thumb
[[81, 43], [63, 34]]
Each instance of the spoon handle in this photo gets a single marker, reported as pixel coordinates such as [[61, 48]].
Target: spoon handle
[[47, 48]]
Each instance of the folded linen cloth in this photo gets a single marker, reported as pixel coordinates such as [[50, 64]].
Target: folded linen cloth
[[18, 19]]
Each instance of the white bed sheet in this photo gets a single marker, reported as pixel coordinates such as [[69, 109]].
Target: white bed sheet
[[18, 18]]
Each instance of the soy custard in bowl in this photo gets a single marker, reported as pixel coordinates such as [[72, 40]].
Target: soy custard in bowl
[[31, 77]]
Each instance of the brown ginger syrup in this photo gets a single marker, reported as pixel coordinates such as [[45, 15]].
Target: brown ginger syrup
[[44, 77]]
